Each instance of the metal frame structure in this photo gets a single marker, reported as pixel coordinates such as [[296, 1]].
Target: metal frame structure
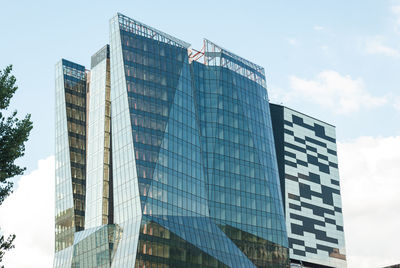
[[197, 55], [214, 55], [136, 27], [233, 62]]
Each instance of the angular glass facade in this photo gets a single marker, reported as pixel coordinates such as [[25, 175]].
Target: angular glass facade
[[99, 175], [70, 169], [179, 158], [238, 153], [308, 167], [181, 122]]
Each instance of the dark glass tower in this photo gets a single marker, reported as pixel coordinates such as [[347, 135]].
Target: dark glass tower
[[238, 154], [194, 172]]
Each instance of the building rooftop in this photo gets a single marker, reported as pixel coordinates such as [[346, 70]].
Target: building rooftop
[[316, 119]]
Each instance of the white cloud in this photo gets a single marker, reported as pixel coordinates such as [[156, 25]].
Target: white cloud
[[277, 95], [376, 45], [370, 183], [29, 213], [292, 41], [335, 91], [324, 48], [318, 28]]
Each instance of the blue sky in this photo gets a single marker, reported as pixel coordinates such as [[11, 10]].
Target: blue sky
[[298, 38], [338, 61]]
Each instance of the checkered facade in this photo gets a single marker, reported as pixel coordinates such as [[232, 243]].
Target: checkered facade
[[308, 167]]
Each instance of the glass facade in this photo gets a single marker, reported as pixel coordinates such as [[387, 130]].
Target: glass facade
[[238, 153], [99, 175], [308, 165], [95, 247], [193, 178], [183, 186], [70, 169]]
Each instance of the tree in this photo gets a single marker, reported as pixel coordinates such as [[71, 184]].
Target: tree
[[14, 133]]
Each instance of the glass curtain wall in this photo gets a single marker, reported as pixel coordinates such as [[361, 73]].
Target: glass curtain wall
[[99, 175], [70, 172]]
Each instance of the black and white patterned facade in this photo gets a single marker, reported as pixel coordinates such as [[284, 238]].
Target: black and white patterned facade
[[308, 167]]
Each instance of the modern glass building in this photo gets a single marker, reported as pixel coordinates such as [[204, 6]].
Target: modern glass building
[[165, 157], [70, 165], [308, 168], [195, 178], [99, 176]]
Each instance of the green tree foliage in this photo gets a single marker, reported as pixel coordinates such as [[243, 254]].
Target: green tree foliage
[[14, 133]]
